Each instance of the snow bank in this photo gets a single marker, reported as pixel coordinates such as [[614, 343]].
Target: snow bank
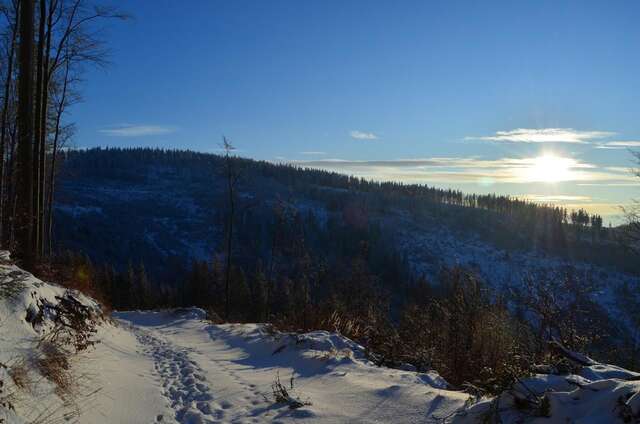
[[28, 312], [596, 394]]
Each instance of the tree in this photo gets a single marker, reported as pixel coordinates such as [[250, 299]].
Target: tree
[[69, 45], [38, 128], [5, 112], [232, 176], [24, 204], [631, 233], [68, 39]]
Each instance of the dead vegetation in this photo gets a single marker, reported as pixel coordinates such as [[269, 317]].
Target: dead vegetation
[[12, 284], [285, 395], [19, 373], [7, 397], [52, 364], [335, 354], [74, 324], [66, 327]]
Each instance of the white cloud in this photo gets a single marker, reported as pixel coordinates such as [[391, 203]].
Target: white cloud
[[544, 135], [362, 135], [448, 170], [313, 153], [131, 130], [554, 198], [618, 145]]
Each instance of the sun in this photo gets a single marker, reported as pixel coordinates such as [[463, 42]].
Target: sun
[[549, 168]]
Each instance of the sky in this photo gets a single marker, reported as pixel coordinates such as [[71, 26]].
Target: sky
[[535, 99]]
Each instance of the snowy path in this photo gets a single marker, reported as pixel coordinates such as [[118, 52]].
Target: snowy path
[[183, 384], [186, 373], [223, 374], [187, 389]]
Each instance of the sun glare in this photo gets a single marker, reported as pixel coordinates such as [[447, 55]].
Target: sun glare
[[549, 168]]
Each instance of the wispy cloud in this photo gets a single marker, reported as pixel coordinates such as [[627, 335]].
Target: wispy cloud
[[447, 170], [618, 145], [132, 130], [554, 198], [544, 135], [313, 153], [630, 184], [362, 135]]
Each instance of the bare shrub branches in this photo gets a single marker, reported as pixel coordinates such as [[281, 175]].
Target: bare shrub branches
[[282, 394]]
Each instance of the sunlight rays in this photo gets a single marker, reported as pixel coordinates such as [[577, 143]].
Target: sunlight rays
[[549, 168]]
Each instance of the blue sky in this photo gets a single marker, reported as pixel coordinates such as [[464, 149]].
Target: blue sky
[[523, 98]]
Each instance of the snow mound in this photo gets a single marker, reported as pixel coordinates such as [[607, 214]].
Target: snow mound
[[597, 393], [31, 311], [28, 306]]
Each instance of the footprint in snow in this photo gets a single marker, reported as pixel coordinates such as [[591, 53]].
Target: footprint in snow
[[183, 382]]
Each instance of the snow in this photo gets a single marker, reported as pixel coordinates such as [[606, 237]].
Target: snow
[[609, 398], [173, 366], [224, 373]]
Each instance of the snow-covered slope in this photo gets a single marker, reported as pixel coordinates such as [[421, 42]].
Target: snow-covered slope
[[174, 366], [31, 313]]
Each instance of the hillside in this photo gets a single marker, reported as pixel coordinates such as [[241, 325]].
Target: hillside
[[410, 232], [181, 210]]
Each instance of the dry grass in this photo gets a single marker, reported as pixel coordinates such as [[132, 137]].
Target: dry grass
[[52, 363], [284, 395], [7, 397], [19, 373], [335, 354], [12, 284]]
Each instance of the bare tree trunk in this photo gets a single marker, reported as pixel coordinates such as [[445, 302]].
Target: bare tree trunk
[[227, 277], [24, 212], [11, 188], [4, 123], [54, 154], [43, 125], [232, 178], [37, 147]]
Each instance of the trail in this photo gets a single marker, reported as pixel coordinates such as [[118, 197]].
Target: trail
[[201, 385], [223, 374], [184, 385]]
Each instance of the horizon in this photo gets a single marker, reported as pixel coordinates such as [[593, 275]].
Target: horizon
[[306, 165], [384, 93]]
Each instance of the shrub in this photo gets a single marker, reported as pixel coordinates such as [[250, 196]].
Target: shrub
[[282, 394], [466, 334]]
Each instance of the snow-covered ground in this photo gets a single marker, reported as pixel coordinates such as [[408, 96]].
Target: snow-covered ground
[[176, 367], [224, 373]]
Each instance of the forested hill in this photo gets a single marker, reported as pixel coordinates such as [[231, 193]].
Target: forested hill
[[169, 208]]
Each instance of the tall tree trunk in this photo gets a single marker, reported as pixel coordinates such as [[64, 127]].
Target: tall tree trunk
[[227, 279], [43, 126], [11, 186], [37, 147], [54, 154], [24, 204], [4, 123]]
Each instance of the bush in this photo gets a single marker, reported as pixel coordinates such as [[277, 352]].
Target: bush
[[465, 334]]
